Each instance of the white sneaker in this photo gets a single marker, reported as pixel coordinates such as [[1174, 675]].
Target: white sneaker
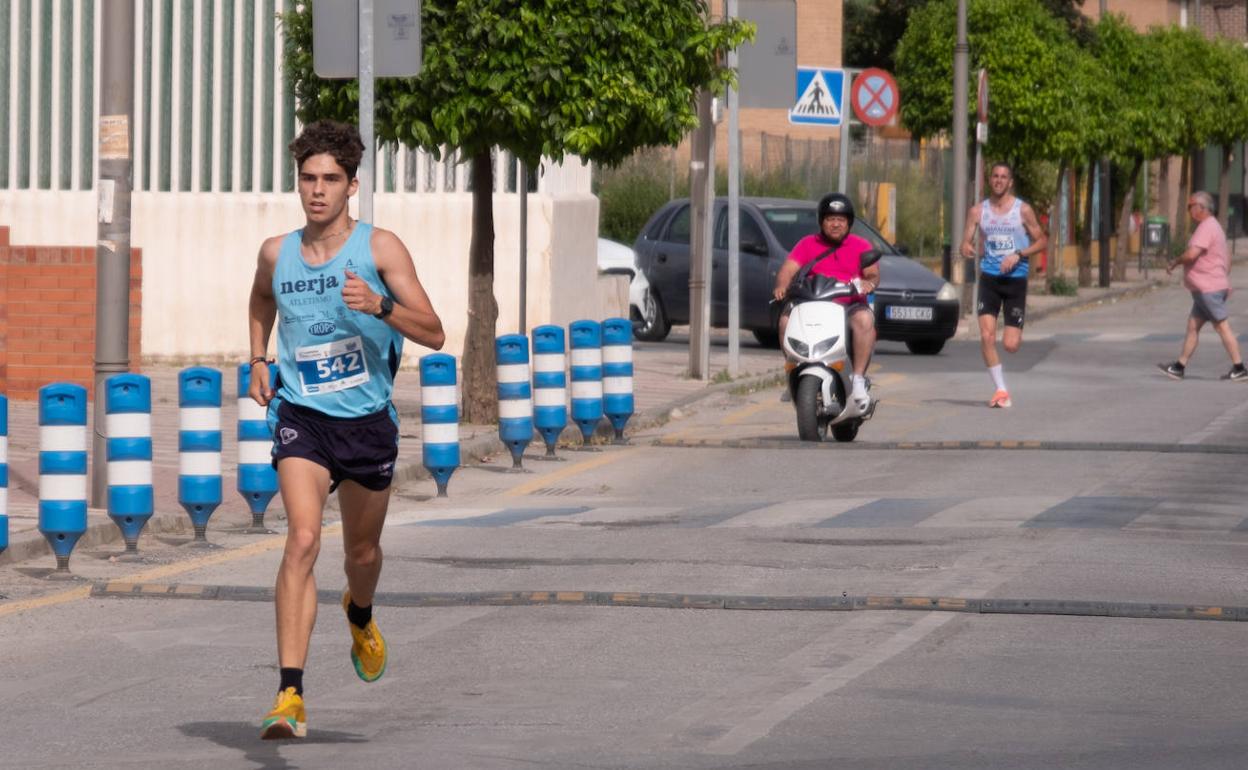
[[861, 398]]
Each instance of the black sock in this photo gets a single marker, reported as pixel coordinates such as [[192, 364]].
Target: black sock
[[291, 677], [359, 616], [1239, 367]]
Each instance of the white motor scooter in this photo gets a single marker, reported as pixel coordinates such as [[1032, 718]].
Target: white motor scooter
[[817, 350]]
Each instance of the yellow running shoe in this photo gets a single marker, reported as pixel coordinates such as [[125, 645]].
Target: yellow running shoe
[[287, 719], [368, 648]]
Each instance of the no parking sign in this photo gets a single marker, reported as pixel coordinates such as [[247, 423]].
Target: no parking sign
[[875, 97]]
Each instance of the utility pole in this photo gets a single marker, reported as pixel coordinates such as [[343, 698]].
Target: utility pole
[[961, 57], [1107, 204], [367, 91], [734, 214], [701, 199], [112, 251]]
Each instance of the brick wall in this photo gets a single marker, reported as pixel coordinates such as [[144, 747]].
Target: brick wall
[[47, 316]]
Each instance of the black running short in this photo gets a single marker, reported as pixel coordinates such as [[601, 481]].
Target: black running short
[[998, 292], [361, 449]]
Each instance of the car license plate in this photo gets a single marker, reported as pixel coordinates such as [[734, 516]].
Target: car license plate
[[907, 313]]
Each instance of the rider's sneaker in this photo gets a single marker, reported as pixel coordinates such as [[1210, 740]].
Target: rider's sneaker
[[1237, 373], [861, 398], [1174, 370], [368, 648], [287, 719], [1000, 400]]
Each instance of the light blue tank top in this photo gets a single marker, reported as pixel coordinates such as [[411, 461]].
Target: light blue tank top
[[1004, 234], [333, 359]]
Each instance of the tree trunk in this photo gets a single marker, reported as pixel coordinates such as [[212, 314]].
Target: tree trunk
[[480, 384], [1180, 204], [1163, 191], [1053, 267], [1085, 232], [1124, 223], [1224, 188]]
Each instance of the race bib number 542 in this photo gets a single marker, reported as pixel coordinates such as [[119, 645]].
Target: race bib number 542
[[331, 367]]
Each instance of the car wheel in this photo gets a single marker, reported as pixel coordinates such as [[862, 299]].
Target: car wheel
[[768, 338], [653, 325], [925, 347]]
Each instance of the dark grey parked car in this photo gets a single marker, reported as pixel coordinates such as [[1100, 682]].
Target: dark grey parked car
[[912, 305]]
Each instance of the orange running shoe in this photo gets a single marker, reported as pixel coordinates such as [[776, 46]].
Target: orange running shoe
[[1000, 400]]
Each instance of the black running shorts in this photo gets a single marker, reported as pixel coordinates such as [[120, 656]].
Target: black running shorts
[[997, 292], [361, 449]]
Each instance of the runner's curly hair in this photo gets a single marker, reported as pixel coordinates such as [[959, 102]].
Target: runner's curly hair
[[341, 140]]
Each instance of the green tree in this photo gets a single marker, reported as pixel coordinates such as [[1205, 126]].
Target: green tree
[[594, 78], [1230, 81]]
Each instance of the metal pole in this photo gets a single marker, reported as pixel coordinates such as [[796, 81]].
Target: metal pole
[[1107, 202], [366, 111], [524, 246], [112, 251], [842, 178], [701, 158], [961, 57], [734, 216]]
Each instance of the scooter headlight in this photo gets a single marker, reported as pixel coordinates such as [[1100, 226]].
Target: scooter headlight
[[823, 346], [799, 347]]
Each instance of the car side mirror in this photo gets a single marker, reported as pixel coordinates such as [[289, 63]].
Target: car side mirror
[[902, 249], [870, 257], [754, 247]]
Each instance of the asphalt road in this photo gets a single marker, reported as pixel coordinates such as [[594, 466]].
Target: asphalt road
[[512, 609]]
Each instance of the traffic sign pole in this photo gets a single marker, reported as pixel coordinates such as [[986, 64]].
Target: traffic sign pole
[[734, 215], [366, 110], [842, 175]]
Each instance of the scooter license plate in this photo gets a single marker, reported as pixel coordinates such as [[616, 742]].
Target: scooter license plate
[[908, 313]]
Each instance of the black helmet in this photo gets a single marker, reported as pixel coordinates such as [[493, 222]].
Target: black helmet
[[836, 203]]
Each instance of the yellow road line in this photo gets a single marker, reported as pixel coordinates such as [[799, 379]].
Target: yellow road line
[[571, 470], [157, 573]]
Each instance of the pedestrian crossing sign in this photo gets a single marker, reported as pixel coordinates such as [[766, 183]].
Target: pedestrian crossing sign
[[819, 93]]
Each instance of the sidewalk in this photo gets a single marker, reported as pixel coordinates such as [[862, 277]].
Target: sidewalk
[[661, 384]]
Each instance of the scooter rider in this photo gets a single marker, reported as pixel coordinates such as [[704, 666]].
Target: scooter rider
[[839, 255]]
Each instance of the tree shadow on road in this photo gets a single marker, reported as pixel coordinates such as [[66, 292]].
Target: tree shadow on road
[[245, 738]]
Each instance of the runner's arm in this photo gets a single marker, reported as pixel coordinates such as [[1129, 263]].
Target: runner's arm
[[1039, 241], [413, 314], [261, 313], [968, 234]]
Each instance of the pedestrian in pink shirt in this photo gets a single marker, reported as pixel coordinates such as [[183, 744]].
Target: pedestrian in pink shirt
[[1207, 275]]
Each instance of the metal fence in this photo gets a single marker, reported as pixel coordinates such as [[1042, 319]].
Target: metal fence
[[212, 110]]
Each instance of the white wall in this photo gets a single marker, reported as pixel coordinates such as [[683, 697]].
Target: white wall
[[199, 256]]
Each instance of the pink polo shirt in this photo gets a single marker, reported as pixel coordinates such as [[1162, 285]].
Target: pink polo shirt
[[1211, 270], [843, 264]]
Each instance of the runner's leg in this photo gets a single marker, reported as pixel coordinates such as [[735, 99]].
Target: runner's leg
[[305, 487], [363, 516]]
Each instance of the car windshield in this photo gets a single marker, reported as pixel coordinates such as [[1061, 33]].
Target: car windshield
[[790, 225]]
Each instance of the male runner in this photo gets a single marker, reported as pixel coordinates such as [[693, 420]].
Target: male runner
[[346, 294], [1011, 236]]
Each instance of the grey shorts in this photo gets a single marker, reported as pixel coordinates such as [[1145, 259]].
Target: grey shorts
[[1210, 306]]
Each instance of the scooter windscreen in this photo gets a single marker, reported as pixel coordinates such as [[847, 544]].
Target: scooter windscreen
[[819, 287]]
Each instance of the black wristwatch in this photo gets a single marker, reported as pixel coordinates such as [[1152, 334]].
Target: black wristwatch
[[387, 307]]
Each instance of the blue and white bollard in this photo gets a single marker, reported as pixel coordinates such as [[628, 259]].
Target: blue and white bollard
[[617, 373], [62, 468], [4, 473], [199, 446], [515, 395], [586, 344], [257, 478], [439, 417], [128, 432], [550, 385]]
